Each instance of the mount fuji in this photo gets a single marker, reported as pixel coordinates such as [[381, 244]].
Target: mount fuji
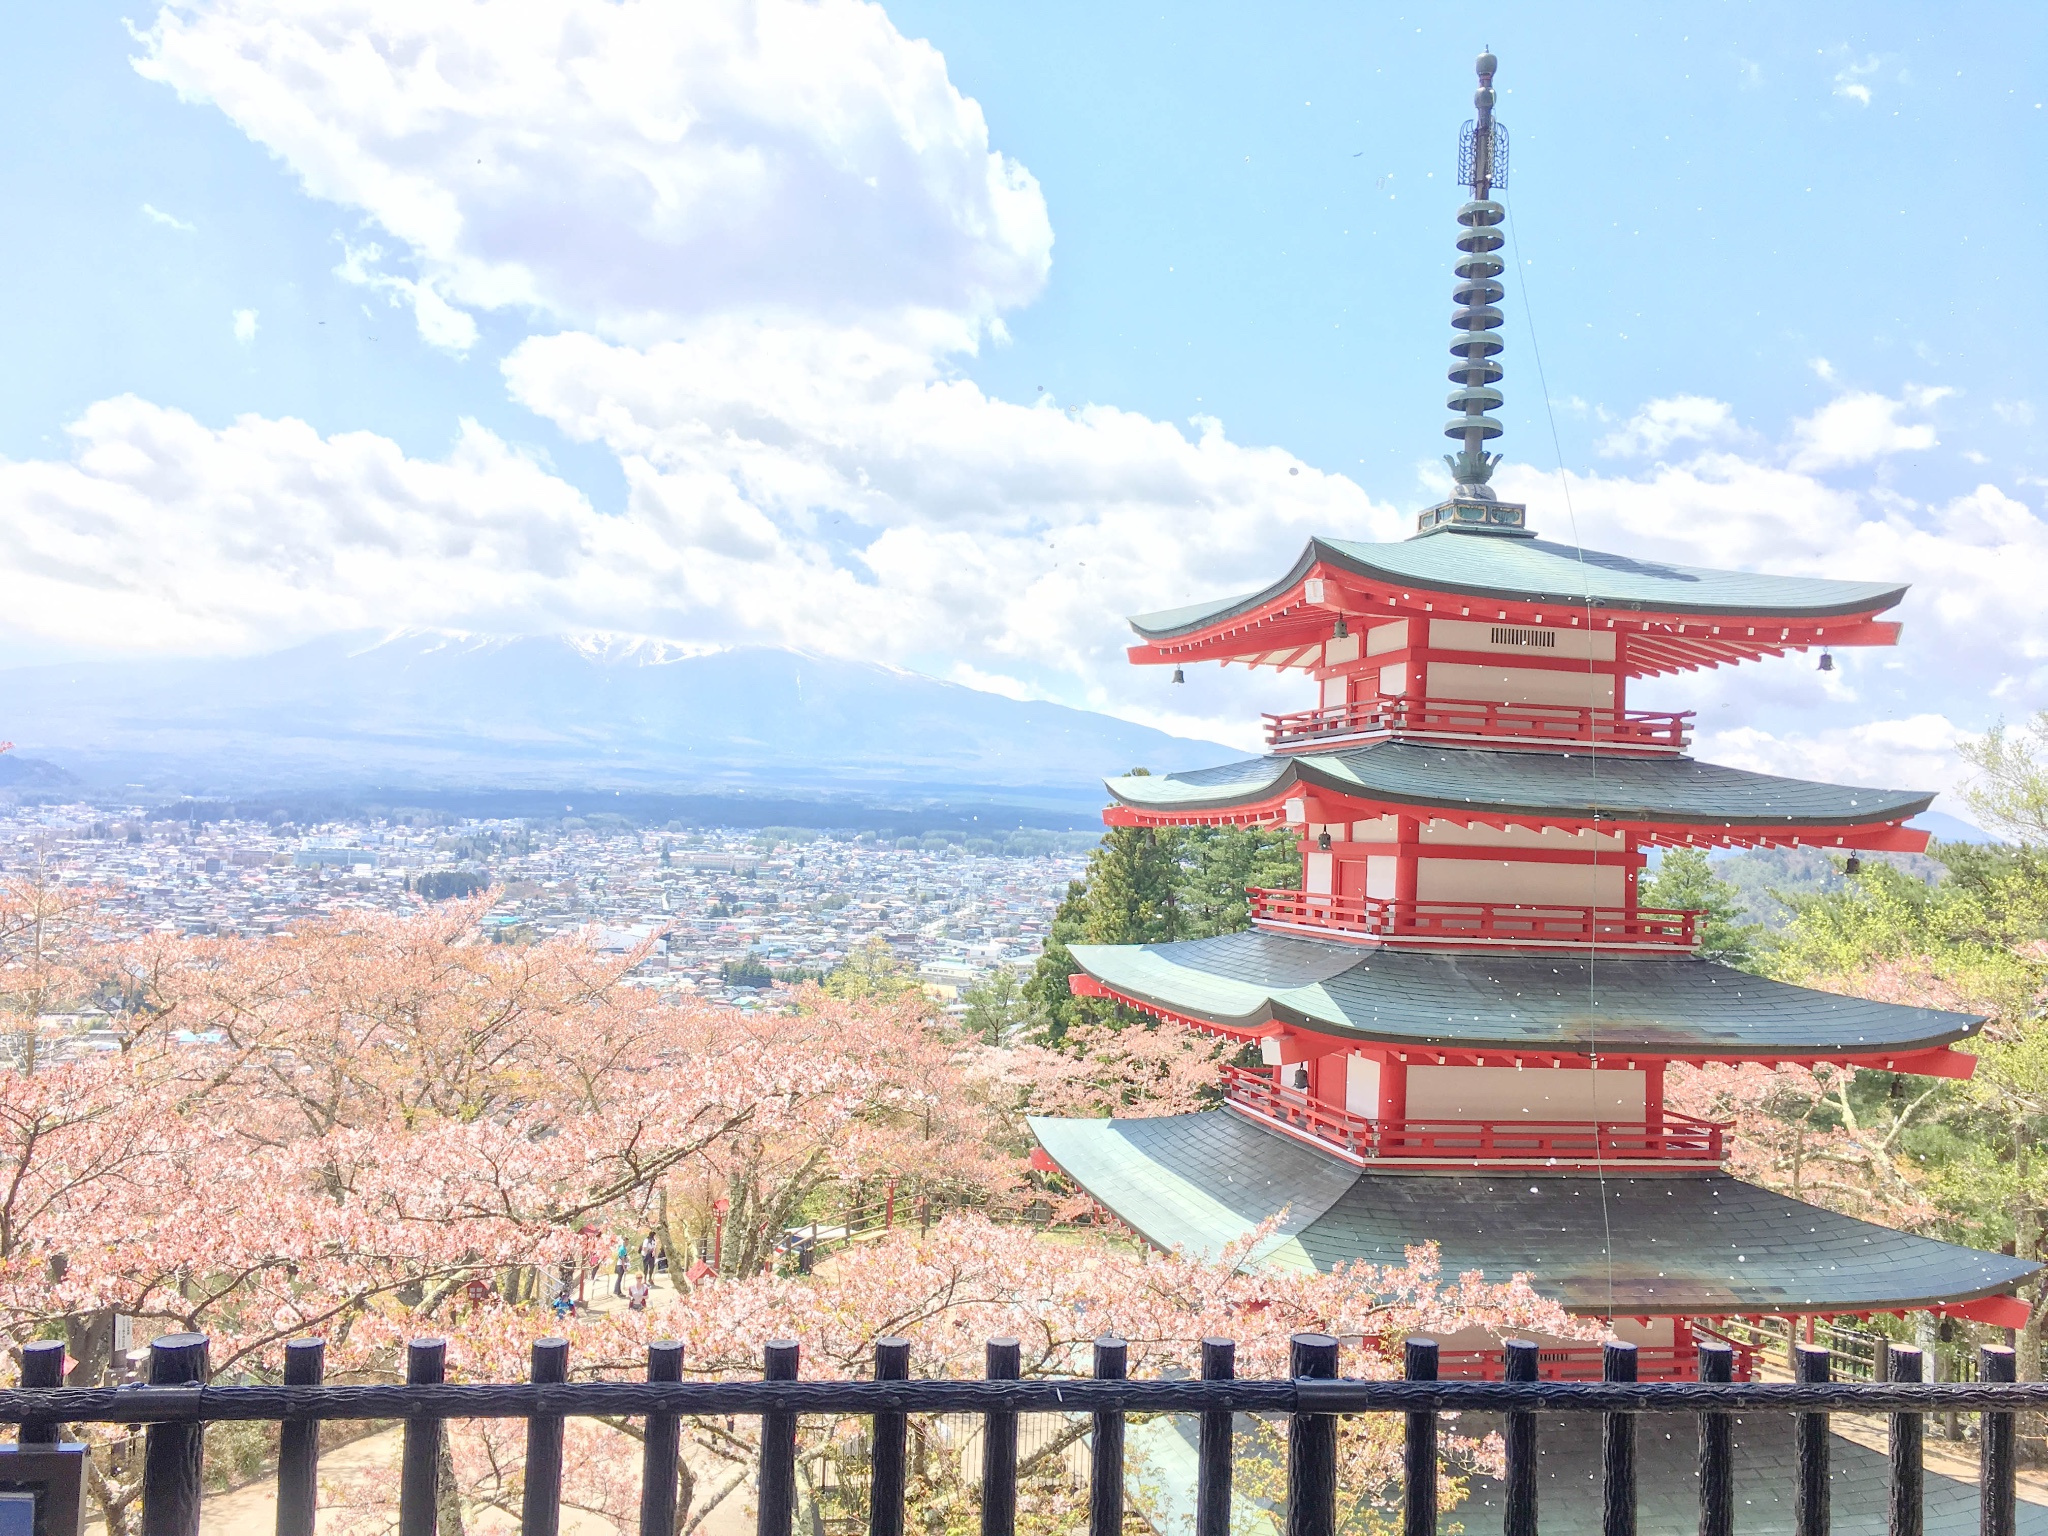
[[432, 710]]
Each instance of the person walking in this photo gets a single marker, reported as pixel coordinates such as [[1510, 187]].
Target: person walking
[[619, 1262], [647, 1253]]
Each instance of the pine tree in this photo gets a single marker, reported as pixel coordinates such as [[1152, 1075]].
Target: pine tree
[[1686, 881]]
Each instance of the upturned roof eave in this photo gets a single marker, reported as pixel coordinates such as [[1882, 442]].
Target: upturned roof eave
[[1307, 1005], [1300, 771], [1167, 624]]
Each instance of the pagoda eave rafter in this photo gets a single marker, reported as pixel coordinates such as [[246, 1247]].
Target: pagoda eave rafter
[[1327, 810], [1304, 1044], [1654, 643]]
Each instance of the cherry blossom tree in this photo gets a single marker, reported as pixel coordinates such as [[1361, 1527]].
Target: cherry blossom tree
[[968, 1281]]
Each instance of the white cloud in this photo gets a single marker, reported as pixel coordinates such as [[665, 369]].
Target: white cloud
[[1861, 426], [1660, 423], [245, 326], [1849, 81], [1918, 752], [158, 216], [898, 516], [440, 323], [631, 166]]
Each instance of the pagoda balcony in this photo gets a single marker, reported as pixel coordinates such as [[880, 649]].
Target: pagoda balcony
[[1488, 924], [1481, 724], [1672, 1138]]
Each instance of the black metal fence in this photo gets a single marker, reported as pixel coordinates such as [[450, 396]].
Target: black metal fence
[[175, 1405]]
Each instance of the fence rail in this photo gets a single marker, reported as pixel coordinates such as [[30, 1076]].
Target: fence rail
[[1541, 925], [1673, 1137], [176, 1405], [1473, 720]]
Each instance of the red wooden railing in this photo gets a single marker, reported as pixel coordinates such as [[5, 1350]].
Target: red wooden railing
[[1632, 730], [1673, 1138], [1487, 922], [1581, 1362]]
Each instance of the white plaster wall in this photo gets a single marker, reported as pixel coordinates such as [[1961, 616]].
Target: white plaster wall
[[1525, 1093], [1569, 885], [1362, 1086], [1449, 832], [1380, 870], [1394, 679], [1388, 637], [1520, 685], [1317, 871], [1468, 635]]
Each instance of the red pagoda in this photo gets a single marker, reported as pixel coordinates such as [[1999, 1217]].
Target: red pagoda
[[1464, 1016]]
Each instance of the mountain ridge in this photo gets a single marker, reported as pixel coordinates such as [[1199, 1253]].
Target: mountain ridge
[[437, 709]]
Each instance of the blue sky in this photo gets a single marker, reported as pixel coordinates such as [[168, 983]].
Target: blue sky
[[945, 334]]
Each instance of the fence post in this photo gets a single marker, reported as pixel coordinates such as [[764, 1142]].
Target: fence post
[[886, 1437], [1717, 1449], [1519, 1363], [298, 1443], [42, 1365], [1996, 1363], [1312, 1443], [1810, 1364], [1418, 1495], [1618, 1447], [1106, 1451], [540, 1511], [171, 1453], [659, 1450], [419, 1477], [1217, 1444], [1908, 1506], [776, 1504], [999, 1447]]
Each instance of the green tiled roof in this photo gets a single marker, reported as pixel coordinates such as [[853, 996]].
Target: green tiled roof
[[1668, 1004], [1685, 1243], [1536, 570], [1536, 783]]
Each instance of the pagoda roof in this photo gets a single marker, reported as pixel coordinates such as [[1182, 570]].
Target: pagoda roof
[[1664, 1005], [1539, 571], [1692, 1243], [1570, 785]]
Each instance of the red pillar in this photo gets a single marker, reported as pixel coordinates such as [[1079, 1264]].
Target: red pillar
[[1394, 1088], [1408, 836], [1653, 1091]]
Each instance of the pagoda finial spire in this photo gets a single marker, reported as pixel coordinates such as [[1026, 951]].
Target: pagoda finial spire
[[1476, 339]]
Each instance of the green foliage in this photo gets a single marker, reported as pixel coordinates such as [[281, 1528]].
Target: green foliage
[[870, 970], [748, 971], [1684, 880], [1152, 885], [447, 884], [996, 1008], [2011, 793]]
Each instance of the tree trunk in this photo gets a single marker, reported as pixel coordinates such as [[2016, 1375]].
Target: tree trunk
[[448, 1496]]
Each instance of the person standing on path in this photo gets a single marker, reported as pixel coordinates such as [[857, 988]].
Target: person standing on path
[[619, 1261], [647, 1252]]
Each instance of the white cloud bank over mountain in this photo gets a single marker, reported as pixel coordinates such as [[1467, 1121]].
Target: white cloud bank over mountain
[[762, 234]]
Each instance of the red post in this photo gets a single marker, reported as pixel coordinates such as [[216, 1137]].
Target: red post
[[889, 1208]]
